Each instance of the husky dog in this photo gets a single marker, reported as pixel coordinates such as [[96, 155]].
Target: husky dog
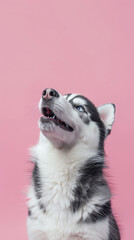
[[69, 197]]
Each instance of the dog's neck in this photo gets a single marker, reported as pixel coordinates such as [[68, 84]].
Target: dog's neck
[[77, 154]]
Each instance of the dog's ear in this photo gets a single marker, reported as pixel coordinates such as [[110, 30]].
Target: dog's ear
[[107, 115]]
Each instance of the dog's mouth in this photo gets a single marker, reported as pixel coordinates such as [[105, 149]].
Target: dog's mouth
[[49, 114]]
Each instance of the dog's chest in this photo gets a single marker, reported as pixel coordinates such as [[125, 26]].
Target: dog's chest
[[57, 196], [57, 192]]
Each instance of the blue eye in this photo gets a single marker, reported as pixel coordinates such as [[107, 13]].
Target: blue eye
[[80, 109]]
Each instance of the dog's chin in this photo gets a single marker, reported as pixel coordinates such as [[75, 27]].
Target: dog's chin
[[58, 135], [46, 125]]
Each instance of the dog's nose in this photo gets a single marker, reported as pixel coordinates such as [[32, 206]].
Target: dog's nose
[[49, 93]]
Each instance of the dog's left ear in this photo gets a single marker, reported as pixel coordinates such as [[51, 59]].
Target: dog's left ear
[[107, 115]]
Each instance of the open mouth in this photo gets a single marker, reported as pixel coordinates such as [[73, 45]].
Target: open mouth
[[48, 114]]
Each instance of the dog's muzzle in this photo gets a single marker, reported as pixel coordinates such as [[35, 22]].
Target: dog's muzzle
[[47, 113]]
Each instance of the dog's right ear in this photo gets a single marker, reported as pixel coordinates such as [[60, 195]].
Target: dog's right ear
[[107, 115]]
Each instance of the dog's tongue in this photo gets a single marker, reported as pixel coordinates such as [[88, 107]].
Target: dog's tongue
[[48, 111]]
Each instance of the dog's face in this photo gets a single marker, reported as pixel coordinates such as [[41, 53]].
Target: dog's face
[[72, 118]]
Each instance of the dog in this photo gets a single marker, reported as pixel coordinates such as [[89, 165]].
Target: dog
[[69, 197]]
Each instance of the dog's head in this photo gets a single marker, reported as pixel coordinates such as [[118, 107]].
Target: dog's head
[[72, 118]]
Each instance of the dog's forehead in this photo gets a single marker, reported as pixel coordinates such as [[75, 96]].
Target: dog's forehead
[[80, 100], [70, 96], [77, 99]]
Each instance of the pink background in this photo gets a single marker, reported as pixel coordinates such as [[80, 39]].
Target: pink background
[[73, 46]]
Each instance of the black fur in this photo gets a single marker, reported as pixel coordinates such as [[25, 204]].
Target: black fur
[[114, 230], [68, 95], [99, 215], [29, 213], [42, 207], [108, 131], [87, 184], [38, 186], [37, 181]]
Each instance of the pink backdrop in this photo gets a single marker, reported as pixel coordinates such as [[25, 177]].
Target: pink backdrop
[[72, 46]]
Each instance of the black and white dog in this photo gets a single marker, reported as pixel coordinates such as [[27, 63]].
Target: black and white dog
[[69, 197]]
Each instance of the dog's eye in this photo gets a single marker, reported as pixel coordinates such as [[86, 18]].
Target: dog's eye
[[80, 109]]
